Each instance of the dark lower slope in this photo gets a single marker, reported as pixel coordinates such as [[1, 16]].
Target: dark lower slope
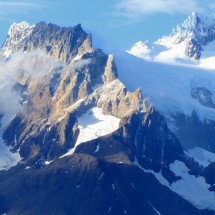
[[81, 184]]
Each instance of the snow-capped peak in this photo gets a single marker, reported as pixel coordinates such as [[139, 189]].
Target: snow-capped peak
[[142, 50], [188, 43], [16, 34], [196, 26], [17, 27]]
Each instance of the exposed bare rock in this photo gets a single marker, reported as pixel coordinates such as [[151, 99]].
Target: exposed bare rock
[[203, 95], [193, 132], [119, 102], [118, 168], [46, 126], [39, 139], [60, 43], [110, 73], [143, 138]]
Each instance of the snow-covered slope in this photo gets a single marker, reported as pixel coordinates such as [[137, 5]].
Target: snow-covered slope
[[168, 87], [190, 43], [193, 189], [70, 93], [202, 156], [94, 124]]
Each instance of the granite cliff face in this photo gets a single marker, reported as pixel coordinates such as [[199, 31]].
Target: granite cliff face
[[68, 154]]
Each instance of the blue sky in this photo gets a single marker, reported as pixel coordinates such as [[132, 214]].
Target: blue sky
[[113, 23]]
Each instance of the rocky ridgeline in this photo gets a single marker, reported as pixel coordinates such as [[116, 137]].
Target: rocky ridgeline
[[60, 43], [46, 126], [114, 178]]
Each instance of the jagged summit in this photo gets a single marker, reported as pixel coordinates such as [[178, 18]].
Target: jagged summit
[[63, 43], [198, 27], [16, 35], [185, 44], [17, 32], [17, 27], [84, 128]]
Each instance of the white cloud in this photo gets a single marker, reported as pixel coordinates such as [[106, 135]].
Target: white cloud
[[21, 66], [16, 4], [8, 8], [26, 66], [35, 65], [138, 8]]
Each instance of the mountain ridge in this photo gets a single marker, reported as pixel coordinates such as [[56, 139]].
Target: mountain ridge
[[187, 44], [76, 89]]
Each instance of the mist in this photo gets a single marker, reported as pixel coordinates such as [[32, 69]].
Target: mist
[[17, 69]]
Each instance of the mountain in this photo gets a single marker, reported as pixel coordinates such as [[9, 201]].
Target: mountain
[[190, 43], [183, 61], [85, 132]]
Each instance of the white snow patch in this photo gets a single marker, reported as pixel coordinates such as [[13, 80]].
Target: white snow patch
[[141, 50], [194, 189], [94, 124], [48, 162], [202, 156], [97, 148], [207, 59], [165, 50], [113, 187], [154, 208], [78, 57], [100, 177]]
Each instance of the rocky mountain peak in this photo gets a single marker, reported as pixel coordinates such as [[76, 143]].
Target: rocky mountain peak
[[197, 26], [62, 43], [18, 27], [16, 35], [196, 31], [187, 41], [77, 122]]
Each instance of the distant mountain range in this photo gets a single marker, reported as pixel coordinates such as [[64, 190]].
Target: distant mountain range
[[85, 132], [192, 42]]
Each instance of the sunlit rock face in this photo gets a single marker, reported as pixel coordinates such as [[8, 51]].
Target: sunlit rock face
[[81, 134], [67, 78]]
